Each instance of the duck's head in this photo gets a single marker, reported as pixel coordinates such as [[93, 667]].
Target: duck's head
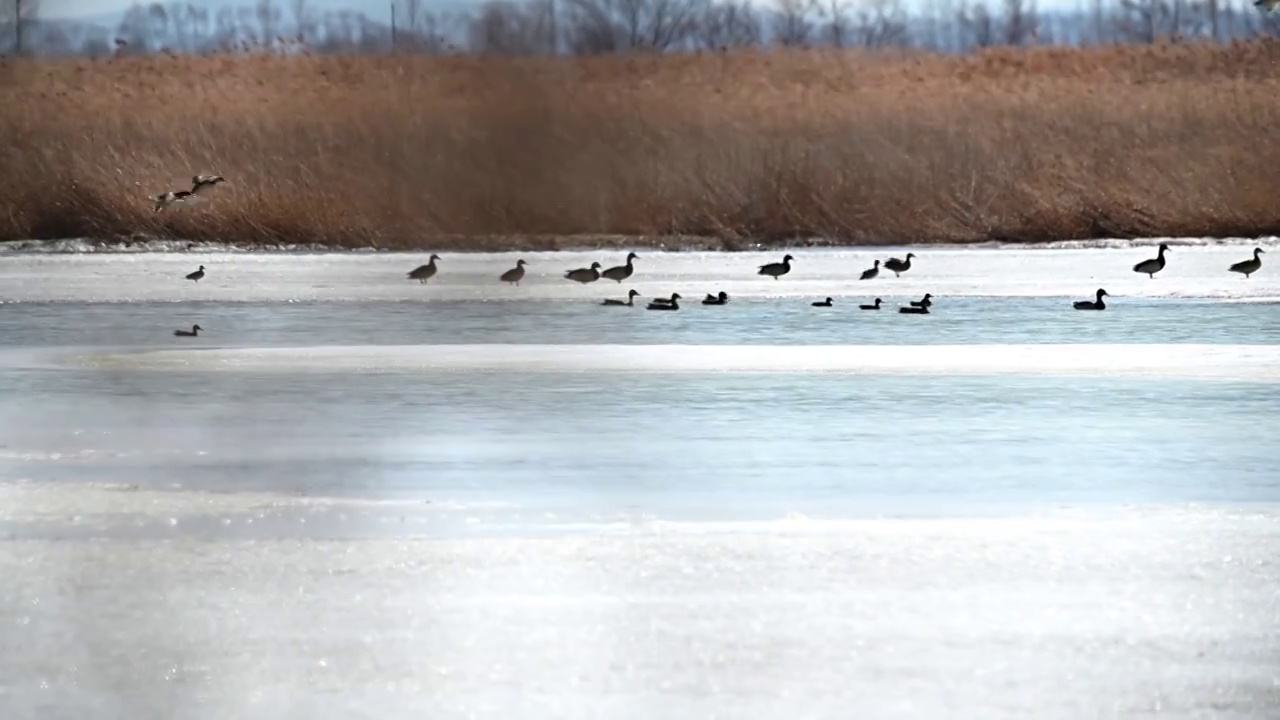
[[675, 296], [877, 264], [910, 255], [878, 301], [633, 293], [829, 301], [723, 295], [595, 266], [632, 256], [521, 263], [927, 296], [1258, 251], [196, 328], [787, 258], [433, 257], [201, 267], [1102, 292], [1164, 248]]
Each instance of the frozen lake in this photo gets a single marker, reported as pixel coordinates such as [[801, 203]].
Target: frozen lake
[[358, 496]]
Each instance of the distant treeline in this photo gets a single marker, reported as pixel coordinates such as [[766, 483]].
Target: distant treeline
[[586, 27]]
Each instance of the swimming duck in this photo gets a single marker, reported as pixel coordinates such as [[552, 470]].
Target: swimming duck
[[1154, 265], [923, 302], [515, 274], [1249, 267], [822, 303], [422, 273], [775, 270], [914, 310], [195, 330], [585, 275], [195, 276], [1092, 305], [899, 266], [621, 272], [719, 299], [874, 271], [668, 305], [631, 299], [876, 306]]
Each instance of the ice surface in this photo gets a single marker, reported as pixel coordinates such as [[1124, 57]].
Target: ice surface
[[1194, 271], [1240, 362]]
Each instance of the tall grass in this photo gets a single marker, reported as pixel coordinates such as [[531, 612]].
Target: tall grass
[[487, 153]]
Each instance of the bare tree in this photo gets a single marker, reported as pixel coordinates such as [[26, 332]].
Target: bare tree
[[18, 17], [506, 28], [794, 21], [725, 25], [978, 25], [268, 16], [1020, 22], [602, 26], [880, 23], [837, 28]]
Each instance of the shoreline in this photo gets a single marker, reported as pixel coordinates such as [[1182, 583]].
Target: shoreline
[[582, 243]]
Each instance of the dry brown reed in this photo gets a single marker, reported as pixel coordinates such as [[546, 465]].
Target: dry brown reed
[[491, 153]]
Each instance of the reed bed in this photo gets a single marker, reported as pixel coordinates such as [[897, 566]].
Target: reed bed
[[487, 153]]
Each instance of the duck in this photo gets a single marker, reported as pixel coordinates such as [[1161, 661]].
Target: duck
[[876, 306], [776, 270], [195, 276], [621, 272], [1154, 265], [722, 298], [899, 266], [630, 301], [822, 303], [193, 332], [1092, 304], [422, 273], [515, 274], [914, 310], [1249, 267], [585, 275], [872, 272], [668, 305], [923, 302], [199, 184]]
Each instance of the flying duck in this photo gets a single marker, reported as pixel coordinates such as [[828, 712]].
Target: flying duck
[[195, 276], [1154, 265], [872, 272], [585, 275], [669, 305], [193, 332], [876, 306], [422, 273], [1249, 267], [1092, 305], [722, 298], [631, 299], [621, 272], [899, 266], [822, 303], [514, 274], [775, 270], [923, 302], [199, 184]]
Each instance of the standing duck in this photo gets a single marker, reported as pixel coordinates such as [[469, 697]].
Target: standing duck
[[899, 266], [668, 305], [720, 299], [872, 272], [876, 306], [621, 272], [422, 273], [923, 302], [1154, 265], [822, 303], [778, 269], [631, 299], [515, 274], [193, 332], [585, 275], [1094, 304], [195, 276], [1249, 267]]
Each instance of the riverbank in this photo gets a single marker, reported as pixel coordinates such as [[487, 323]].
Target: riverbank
[[715, 151]]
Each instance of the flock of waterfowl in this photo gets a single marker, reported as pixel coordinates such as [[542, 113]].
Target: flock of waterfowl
[[619, 273]]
